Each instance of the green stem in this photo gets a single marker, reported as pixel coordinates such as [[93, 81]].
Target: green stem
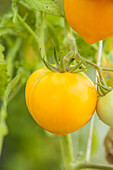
[[42, 35], [76, 67], [55, 57], [104, 87], [62, 65], [101, 88], [1, 143], [67, 151], [14, 9], [28, 28], [69, 56], [11, 87], [67, 27], [100, 75], [70, 40], [107, 69], [78, 57], [50, 67], [99, 92], [99, 69], [15, 92], [3, 127], [93, 166], [70, 62], [12, 52]]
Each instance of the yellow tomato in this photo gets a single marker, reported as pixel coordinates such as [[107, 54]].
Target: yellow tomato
[[92, 19], [60, 102]]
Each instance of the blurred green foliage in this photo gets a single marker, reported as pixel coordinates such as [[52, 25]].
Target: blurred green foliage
[[5, 6]]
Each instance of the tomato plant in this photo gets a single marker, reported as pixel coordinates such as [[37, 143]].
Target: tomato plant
[[61, 96], [90, 18]]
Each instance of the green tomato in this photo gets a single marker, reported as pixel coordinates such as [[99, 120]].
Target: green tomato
[[105, 109]]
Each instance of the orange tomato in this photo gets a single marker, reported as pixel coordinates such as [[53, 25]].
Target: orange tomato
[[92, 19], [60, 102]]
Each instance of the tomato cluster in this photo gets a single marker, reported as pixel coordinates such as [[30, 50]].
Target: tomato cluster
[[63, 102]]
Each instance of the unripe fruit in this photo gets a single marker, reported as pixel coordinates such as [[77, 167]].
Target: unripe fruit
[[105, 109]]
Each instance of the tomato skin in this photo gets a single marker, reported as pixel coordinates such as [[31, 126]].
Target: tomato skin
[[92, 19], [105, 109], [60, 102]]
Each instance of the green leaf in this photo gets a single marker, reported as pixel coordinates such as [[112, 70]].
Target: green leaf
[[60, 4], [1, 52], [3, 78], [47, 6], [6, 19], [3, 126], [3, 73]]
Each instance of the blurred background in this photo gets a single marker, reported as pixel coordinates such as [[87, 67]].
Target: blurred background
[[26, 145]]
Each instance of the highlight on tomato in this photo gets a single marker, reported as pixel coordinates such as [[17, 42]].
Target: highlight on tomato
[[92, 19], [61, 99]]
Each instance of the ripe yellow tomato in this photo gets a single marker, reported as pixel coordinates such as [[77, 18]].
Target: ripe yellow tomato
[[105, 109], [92, 19], [60, 102]]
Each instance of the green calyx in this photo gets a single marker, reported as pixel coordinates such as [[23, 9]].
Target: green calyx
[[102, 89], [63, 66]]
